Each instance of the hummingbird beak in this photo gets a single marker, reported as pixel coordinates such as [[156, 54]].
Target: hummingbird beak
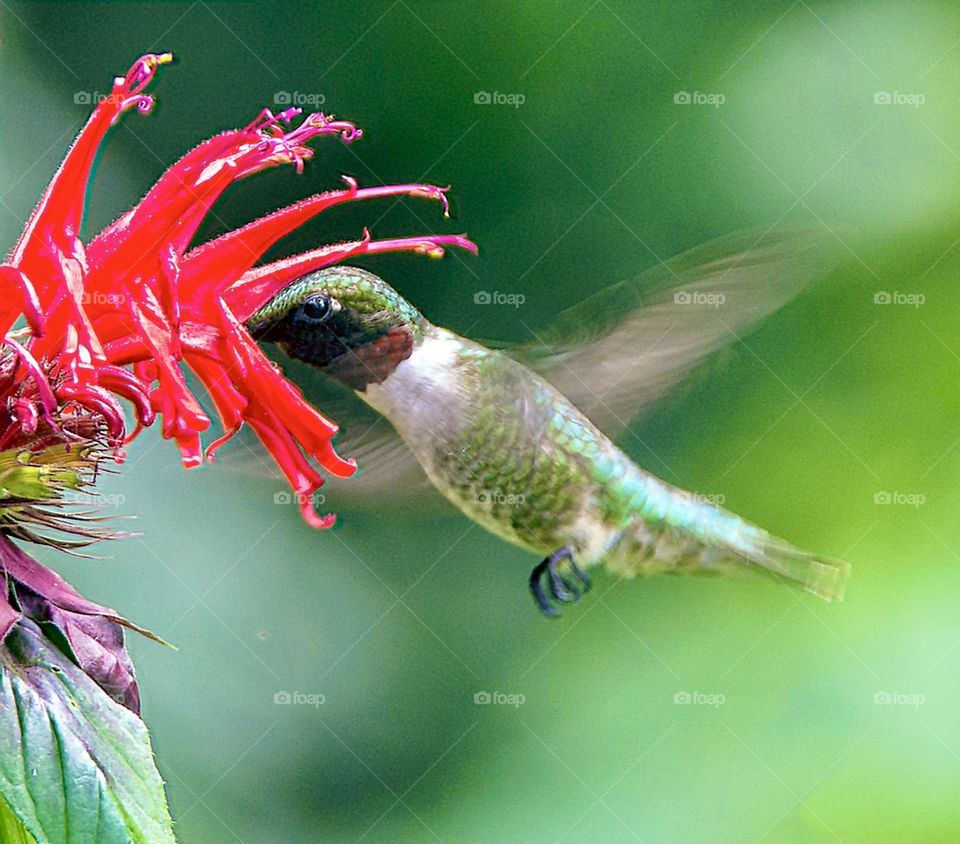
[[258, 330]]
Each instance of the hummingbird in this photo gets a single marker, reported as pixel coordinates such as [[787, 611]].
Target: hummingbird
[[498, 437]]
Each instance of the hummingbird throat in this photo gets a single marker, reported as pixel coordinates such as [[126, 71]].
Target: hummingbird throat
[[372, 362]]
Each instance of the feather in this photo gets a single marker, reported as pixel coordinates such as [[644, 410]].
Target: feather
[[624, 347]]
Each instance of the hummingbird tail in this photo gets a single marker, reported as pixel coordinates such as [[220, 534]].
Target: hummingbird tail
[[674, 531], [824, 577], [713, 541]]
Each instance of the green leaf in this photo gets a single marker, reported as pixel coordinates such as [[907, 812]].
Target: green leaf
[[75, 765], [11, 830]]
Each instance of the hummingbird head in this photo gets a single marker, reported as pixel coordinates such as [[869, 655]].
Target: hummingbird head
[[345, 321]]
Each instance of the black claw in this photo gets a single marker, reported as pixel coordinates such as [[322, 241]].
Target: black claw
[[581, 575], [536, 589], [560, 588]]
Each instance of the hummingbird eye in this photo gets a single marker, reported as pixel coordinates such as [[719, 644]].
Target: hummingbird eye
[[316, 309]]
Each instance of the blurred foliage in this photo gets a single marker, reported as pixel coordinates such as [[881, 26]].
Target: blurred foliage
[[399, 617]]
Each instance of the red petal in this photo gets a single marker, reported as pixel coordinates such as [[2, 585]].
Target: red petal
[[258, 285], [132, 298]]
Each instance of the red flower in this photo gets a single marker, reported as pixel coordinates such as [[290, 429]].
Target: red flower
[[48, 449], [118, 317]]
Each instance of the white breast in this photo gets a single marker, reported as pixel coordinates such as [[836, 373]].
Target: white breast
[[422, 391]]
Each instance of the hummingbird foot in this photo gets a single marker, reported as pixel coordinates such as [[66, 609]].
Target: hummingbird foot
[[560, 588], [581, 575]]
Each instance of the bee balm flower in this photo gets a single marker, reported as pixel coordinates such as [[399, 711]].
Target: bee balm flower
[[123, 315]]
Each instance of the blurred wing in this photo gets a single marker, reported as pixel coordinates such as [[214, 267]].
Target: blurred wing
[[388, 472], [625, 346]]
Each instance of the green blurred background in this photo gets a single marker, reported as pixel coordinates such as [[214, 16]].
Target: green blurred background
[[836, 722]]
